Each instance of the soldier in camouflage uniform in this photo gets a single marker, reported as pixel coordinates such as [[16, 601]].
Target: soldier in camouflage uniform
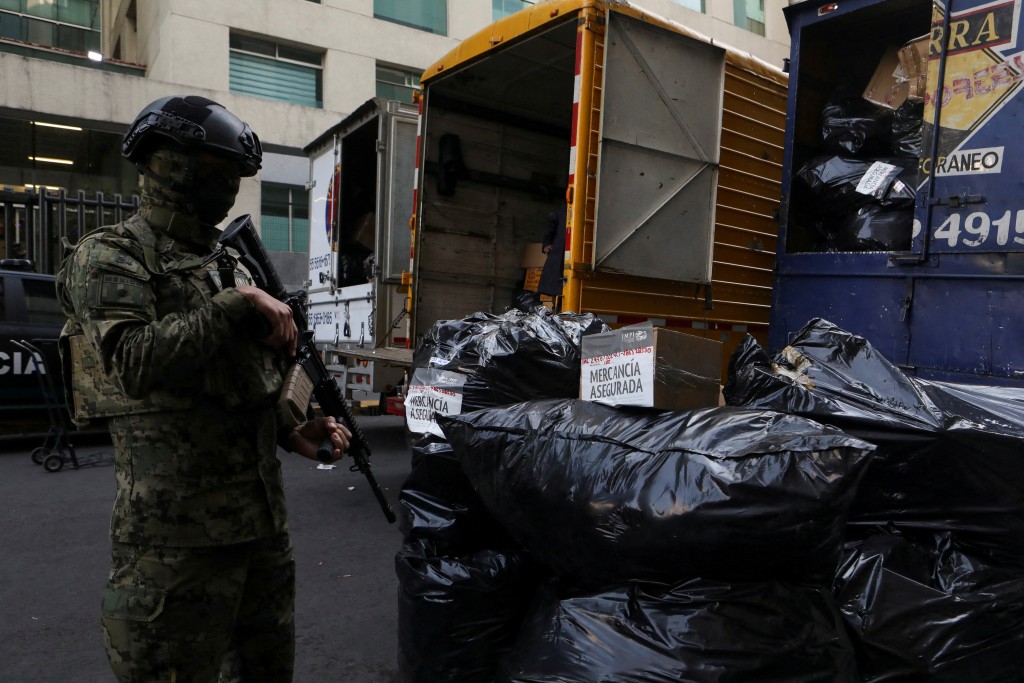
[[183, 361]]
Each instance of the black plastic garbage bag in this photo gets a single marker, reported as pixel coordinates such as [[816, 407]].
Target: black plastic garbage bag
[[458, 615], [950, 456], [857, 204], [437, 502], [907, 123], [523, 354], [512, 357], [872, 228], [528, 302], [852, 126], [918, 610], [604, 495], [697, 631], [840, 185], [481, 361]]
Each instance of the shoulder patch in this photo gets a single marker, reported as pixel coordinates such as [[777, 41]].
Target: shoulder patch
[[117, 280], [120, 291], [119, 261]]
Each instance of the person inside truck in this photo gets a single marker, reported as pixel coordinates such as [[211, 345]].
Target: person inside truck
[[553, 244], [355, 255]]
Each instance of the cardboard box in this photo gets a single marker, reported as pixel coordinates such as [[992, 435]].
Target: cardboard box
[[533, 262], [532, 257], [643, 365], [532, 279], [889, 85], [914, 59]]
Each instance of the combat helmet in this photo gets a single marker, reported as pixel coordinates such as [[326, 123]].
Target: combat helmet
[[193, 123]]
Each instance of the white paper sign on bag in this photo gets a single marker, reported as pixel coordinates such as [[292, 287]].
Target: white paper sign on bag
[[431, 393], [617, 367], [878, 178]]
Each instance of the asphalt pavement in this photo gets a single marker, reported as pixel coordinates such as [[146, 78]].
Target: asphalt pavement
[[54, 556]]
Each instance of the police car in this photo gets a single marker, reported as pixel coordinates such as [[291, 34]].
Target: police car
[[28, 311]]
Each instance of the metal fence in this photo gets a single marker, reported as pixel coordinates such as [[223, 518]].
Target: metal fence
[[35, 224]]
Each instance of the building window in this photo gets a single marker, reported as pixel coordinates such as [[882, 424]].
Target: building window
[[503, 8], [428, 15], [695, 5], [749, 14], [65, 24], [263, 68], [396, 84], [40, 153], [284, 217]]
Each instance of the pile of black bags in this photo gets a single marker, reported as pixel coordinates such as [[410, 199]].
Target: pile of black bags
[[694, 630], [605, 495], [931, 585], [682, 546], [464, 585], [858, 193], [838, 521]]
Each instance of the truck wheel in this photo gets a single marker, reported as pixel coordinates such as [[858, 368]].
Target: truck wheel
[[38, 455], [53, 462]]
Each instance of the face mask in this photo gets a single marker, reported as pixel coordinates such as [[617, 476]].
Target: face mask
[[214, 195]]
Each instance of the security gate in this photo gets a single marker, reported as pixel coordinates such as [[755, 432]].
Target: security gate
[[38, 222]]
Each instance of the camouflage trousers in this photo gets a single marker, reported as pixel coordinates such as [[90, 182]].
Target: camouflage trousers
[[176, 615]]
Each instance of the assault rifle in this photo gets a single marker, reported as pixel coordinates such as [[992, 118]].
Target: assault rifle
[[308, 376]]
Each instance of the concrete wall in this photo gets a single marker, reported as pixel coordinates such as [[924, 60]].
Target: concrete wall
[[183, 45], [351, 39], [97, 96], [717, 22]]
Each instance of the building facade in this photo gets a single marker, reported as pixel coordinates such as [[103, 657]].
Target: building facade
[[76, 72]]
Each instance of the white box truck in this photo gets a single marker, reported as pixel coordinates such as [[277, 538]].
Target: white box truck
[[361, 179]]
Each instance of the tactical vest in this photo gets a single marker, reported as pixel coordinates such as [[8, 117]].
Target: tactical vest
[[249, 373]]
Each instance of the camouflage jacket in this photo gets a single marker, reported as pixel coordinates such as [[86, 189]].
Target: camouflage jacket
[[169, 358]]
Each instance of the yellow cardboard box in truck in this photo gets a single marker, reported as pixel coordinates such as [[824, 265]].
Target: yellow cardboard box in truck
[[663, 148]]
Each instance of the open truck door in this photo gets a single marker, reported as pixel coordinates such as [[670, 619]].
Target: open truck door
[[361, 179], [659, 153]]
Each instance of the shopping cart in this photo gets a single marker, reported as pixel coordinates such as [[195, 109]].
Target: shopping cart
[[57, 450]]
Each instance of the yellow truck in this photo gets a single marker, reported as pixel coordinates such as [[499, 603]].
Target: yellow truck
[[663, 147]]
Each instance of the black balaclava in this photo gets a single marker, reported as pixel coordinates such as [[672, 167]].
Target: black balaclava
[[180, 182]]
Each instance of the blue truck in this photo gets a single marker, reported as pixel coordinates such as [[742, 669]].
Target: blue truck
[[902, 215]]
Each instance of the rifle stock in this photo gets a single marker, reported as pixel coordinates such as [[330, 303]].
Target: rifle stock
[[241, 236]]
